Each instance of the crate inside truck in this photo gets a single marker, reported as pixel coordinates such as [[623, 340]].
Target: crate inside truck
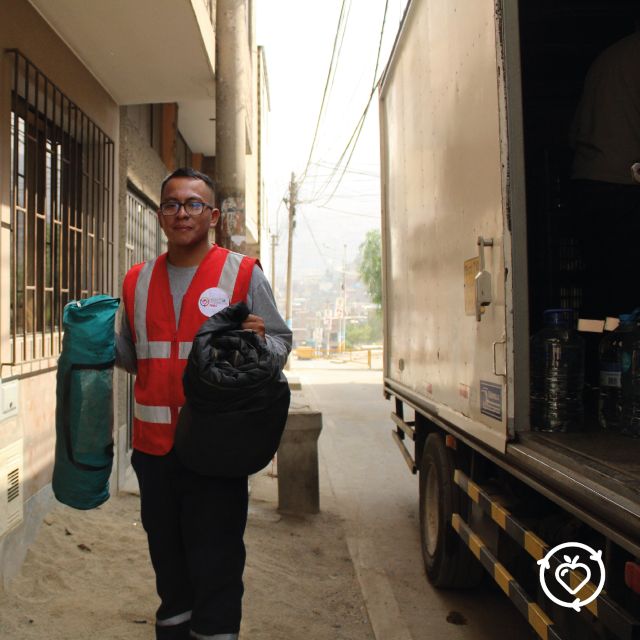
[[509, 130]]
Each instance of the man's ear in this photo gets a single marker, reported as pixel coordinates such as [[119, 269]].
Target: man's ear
[[215, 216]]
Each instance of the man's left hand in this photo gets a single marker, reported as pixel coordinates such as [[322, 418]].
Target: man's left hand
[[254, 323]]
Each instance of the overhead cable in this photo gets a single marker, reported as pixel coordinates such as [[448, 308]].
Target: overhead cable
[[333, 64], [353, 140]]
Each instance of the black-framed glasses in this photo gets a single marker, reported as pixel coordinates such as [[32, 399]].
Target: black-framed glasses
[[192, 207]]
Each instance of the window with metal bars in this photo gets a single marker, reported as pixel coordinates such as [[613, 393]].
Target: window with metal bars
[[62, 210], [145, 240], [184, 156]]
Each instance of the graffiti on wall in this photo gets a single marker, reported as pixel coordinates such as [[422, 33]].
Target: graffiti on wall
[[232, 219]]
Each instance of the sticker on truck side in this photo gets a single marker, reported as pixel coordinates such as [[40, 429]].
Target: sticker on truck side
[[491, 400]]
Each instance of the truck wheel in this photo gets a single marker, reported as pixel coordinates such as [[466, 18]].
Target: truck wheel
[[447, 560]]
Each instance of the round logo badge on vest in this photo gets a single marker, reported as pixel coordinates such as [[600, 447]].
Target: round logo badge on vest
[[213, 300]]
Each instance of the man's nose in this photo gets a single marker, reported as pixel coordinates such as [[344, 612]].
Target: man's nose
[[182, 211]]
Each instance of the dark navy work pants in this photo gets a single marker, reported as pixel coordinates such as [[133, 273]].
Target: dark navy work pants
[[195, 527]]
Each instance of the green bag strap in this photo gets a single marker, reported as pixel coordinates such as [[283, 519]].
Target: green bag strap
[[66, 417]]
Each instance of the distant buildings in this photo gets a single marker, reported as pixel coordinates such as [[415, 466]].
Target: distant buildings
[[319, 312]]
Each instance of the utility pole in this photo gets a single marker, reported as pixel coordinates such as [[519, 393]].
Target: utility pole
[[231, 144], [291, 202], [274, 244], [343, 323]]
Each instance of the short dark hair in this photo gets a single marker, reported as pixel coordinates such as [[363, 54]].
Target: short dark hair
[[188, 172]]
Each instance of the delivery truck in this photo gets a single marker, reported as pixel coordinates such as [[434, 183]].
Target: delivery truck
[[481, 235]]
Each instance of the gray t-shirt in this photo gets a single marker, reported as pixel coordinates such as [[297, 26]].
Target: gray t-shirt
[[260, 301], [179, 280]]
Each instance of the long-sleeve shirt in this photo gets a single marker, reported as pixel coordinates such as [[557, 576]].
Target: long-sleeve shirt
[[260, 301]]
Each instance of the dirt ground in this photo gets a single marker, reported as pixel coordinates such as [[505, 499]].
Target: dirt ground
[[88, 575]]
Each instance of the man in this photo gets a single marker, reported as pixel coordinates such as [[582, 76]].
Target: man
[[194, 524], [605, 192]]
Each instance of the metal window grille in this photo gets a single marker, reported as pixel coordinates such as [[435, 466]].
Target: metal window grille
[[62, 210], [184, 156], [145, 241]]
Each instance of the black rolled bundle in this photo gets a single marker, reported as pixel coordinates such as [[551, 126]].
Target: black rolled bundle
[[237, 399]]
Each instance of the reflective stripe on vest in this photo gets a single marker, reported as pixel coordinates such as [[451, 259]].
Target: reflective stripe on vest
[[184, 350], [159, 415], [146, 350], [140, 303], [230, 272]]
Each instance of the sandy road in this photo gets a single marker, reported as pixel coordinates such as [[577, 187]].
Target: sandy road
[[378, 498]]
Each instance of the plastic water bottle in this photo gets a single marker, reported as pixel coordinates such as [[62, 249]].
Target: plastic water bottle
[[557, 374], [630, 365], [610, 360]]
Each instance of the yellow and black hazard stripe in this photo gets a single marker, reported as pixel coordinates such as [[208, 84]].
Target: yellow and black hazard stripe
[[606, 610], [536, 617]]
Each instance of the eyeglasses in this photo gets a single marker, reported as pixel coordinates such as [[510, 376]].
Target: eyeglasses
[[192, 207]]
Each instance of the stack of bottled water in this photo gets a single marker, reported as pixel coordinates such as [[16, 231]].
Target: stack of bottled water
[[557, 374], [619, 358], [610, 361], [630, 377]]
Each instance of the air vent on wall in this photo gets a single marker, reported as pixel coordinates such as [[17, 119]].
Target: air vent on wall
[[11, 498]]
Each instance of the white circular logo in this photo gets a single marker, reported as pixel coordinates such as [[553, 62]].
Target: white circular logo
[[569, 582], [213, 300]]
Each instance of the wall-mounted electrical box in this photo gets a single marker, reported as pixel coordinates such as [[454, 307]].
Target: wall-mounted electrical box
[[8, 399]]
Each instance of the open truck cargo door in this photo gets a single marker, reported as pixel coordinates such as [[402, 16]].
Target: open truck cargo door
[[447, 249]]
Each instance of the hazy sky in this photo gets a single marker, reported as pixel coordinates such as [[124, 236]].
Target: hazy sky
[[298, 37]]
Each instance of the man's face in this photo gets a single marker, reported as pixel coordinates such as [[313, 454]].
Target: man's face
[[182, 229]]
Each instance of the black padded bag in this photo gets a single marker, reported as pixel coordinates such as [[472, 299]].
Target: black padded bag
[[237, 399]]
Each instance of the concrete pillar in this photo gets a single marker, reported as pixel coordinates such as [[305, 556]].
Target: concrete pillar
[[168, 138], [232, 77], [297, 458]]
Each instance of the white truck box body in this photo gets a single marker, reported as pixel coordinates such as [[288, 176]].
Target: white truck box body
[[444, 181]]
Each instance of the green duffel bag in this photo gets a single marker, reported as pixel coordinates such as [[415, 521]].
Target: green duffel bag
[[84, 409]]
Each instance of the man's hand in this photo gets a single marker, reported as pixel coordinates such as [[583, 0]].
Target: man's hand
[[254, 323]]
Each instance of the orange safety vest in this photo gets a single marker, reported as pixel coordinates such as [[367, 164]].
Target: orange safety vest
[[163, 345]]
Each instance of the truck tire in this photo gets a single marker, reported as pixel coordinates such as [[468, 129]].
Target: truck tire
[[447, 560]]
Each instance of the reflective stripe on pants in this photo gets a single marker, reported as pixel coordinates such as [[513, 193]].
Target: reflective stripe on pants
[[174, 620]]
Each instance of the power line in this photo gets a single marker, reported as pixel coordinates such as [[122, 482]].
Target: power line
[[329, 81], [355, 196], [315, 242], [370, 174], [353, 140], [354, 179], [352, 213], [277, 212]]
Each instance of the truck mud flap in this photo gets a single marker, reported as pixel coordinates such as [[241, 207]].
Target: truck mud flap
[[606, 610]]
